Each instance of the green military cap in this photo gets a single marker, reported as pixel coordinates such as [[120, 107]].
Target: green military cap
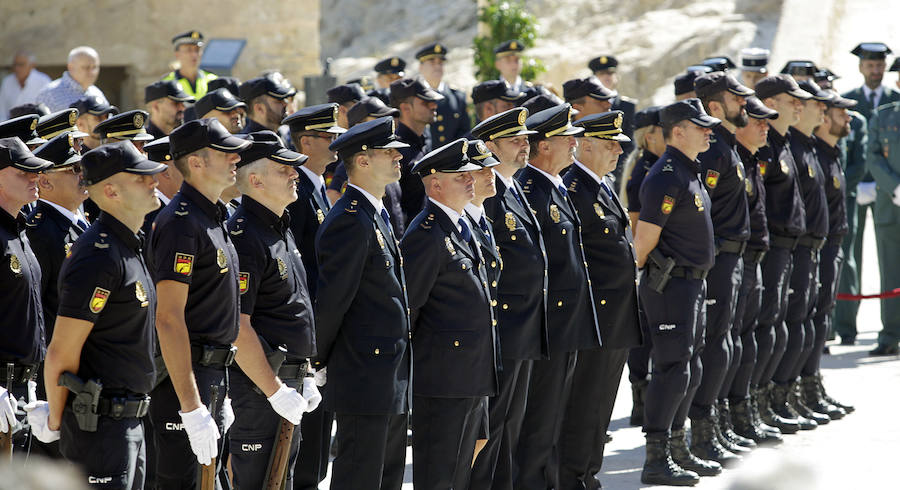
[[61, 121], [448, 159], [321, 117], [605, 126], [507, 124], [189, 37], [125, 126]]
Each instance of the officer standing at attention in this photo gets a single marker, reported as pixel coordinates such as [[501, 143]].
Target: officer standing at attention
[[485, 187], [609, 252], [786, 220], [194, 265], [50, 125], [165, 102], [276, 314], [723, 174], [452, 119], [571, 315], [588, 96], [188, 51], [345, 96], [267, 101], [170, 179], [872, 94], [675, 242], [508, 61], [362, 321], [754, 65], [23, 341], [92, 110], [452, 322], [684, 83], [102, 347], [387, 71], [521, 296], [493, 97], [221, 104], [129, 125], [24, 128], [605, 68]]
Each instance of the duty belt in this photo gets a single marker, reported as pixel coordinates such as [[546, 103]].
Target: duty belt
[[754, 256], [731, 247], [688, 272], [293, 370], [21, 373], [211, 355], [789, 243], [811, 242], [123, 407]]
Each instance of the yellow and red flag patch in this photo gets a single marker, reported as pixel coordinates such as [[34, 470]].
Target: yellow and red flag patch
[[98, 299], [762, 168], [243, 281], [712, 179], [667, 204], [184, 264]]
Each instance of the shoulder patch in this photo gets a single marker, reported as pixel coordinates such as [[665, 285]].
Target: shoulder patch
[[184, 264], [668, 203], [243, 281], [98, 299]]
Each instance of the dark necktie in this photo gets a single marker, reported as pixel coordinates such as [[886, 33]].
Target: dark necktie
[[606, 188], [387, 219], [464, 232], [517, 196], [81, 224], [562, 190], [872, 99], [486, 229], [324, 196]]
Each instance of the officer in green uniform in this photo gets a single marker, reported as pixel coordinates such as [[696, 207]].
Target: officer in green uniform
[[872, 94], [188, 51]]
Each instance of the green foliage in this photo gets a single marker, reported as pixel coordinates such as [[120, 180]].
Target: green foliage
[[505, 19]]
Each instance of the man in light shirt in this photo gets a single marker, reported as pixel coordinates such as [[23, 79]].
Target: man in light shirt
[[78, 80], [22, 85]]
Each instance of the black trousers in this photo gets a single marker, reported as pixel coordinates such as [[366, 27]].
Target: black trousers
[[312, 464], [722, 287], [639, 357], [176, 464], [675, 319], [548, 393], [801, 303], [830, 264], [253, 434], [440, 426], [113, 457], [591, 400], [493, 468], [737, 383], [371, 452], [771, 333]]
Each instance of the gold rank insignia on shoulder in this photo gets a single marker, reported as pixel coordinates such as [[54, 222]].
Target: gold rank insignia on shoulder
[[220, 261], [237, 232], [811, 171], [184, 264], [282, 268], [698, 201], [836, 182], [98, 299], [510, 221], [380, 238], [14, 265], [450, 247], [668, 203], [243, 282], [554, 213], [320, 216], [599, 210], [784, 168], [712, 179], [141, 294]]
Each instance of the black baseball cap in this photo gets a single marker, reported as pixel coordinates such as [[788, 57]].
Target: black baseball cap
[[495, 89], [267, 144], [709, 84], [158, 150], [272, 84], [780, 84], [647, 117], [219, 99], [349, 92], [94, 104], [204, 133], [166, 88], [369, 107], [122, 156], [757, 110], [407, 87], [14, 153], [815, 91], [448, 159], [687, 109], [542, 102], [586, 87]]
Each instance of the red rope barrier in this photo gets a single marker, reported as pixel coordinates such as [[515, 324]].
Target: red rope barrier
[[856, 297]]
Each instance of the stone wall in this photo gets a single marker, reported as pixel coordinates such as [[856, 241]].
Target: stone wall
[[135, 37]]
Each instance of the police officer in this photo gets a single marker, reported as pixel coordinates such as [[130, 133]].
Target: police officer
[[588, 96], [104, 335], [493, 97], [723, 175], [221, 104], [195, 268], [571, 315], [129, 125], [24, 128], [92, 110], [345, 96], [754, 65], [170, 179], [612, 269], [362, 321], [417, 103], [749, 361], [684, 83], [24, 339], [521, 296], [675, 241], [650, 144], [452, 119], [508, 61], [165, 102], [452, 321], [719, 63], [786, 220], [51, 125], [188, 51], [387, 71], [605, 68], [267, 101], [276, 313]]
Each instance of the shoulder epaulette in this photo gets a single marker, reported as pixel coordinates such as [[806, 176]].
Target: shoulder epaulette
[[238, 227], [352, 207], [428, 222], [35, 220], [182, 209], [101, 243]]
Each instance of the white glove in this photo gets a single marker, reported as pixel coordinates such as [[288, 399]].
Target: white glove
[[288, 403], [7, 411], [321, 377], [311, 393], [202, 433], [228, 414], [865, 193], [896, 196], [38, 413]]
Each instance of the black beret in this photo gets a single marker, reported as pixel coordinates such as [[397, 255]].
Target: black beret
[[321, 117], [504, 125], [450, 158], [125, 126], [14, 153], [166, 88], [687, 109], [495, 89], [105, 161], [204, 133]]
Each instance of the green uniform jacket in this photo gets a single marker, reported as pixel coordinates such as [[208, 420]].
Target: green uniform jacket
[[203, 78], [853, 151], [884, 160]]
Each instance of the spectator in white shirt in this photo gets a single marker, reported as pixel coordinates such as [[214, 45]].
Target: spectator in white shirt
[[77, 81], [22, 85]]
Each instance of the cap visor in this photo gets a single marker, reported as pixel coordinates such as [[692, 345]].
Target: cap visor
[[757, 69], [393, 144], [387, 112], [184, 98], [230, 144], [705, 121], [621, 138], [430, 95], [33, 164], [287, 157], [232, 107], [79, 134], [146, 167], [769, 115], [842, 103], [511, 98], [69, 161], [142, 137], [467, 167], [800, 94], [282, 95], [36, 141], [488, 162], [571, 131], [741, 90], [602, 97], [335, 130]]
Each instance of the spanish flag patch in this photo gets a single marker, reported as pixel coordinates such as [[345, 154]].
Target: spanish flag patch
[[98, 299], [243, 281], [712, 179], [667, 204], [184, 264]]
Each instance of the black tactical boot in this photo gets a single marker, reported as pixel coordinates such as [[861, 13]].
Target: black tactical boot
[[795, 399], [659, 469], [755, 395], [638, 392], [720, 436], [684, 458], [782, 407], [742, 420], [727, 429], [789, 425], [845, 407], [705, 444], [812, 398]]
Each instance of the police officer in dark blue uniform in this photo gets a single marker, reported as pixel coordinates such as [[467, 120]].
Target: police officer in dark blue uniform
[[52, 125], [572, 320], [723, 175], [521, 296], [387, 71], [195, 267], [675, 241], [276, 312], [158, 151], [23, 342], [493, 97], [451, 320], [267, 101], [588, 96], [508, 61], [612, 269], [362, 320], [105, 333], [786, 220], [24, 128], [131, 125], [452, 119], [606, 69]]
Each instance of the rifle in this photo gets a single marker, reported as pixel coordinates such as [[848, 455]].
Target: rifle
[[208, 471], [6, 445], [276, 472]]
